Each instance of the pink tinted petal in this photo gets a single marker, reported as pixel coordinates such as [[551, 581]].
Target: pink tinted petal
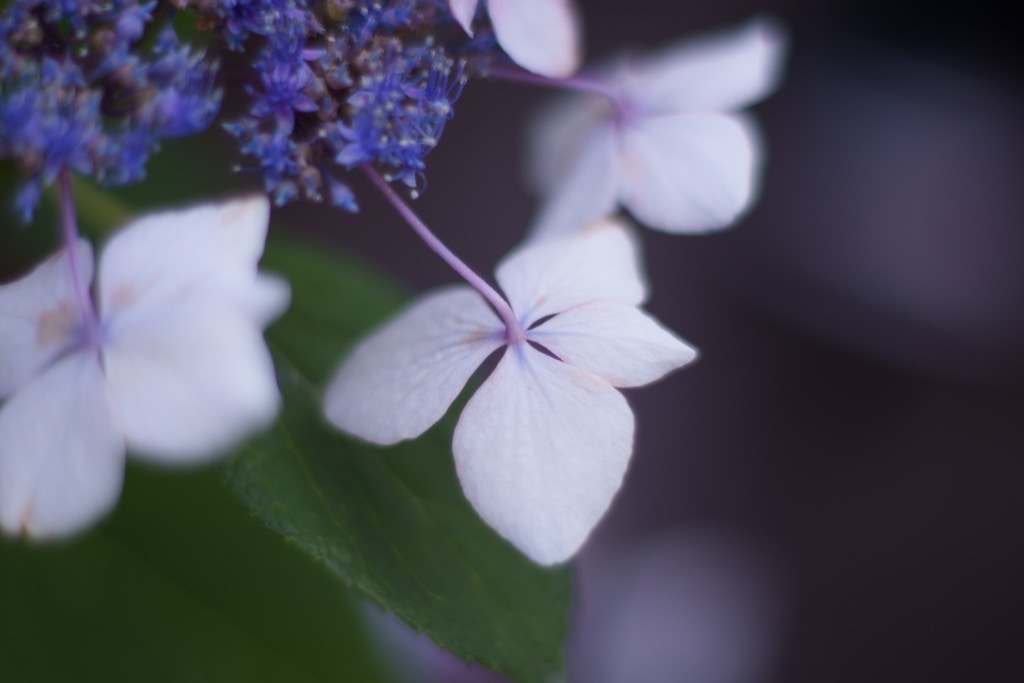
[[619, 343], [61, 455], [38, 317], [721, 72], [587, 193], [539, 35], [541, 449], [599, 263], [688, 173], [208, 251], [401, 379]]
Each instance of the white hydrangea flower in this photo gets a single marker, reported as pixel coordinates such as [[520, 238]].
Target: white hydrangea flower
[[539, 35], [171, 365], [659, 136], [542, 446]]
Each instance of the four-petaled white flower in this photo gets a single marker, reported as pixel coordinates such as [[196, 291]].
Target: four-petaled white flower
[[542, 446], [173, 367], [664, 140], [539, 35]]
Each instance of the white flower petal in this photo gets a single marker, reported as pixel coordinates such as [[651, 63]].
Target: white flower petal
[[541, 449], [208, 251], [189, 382], [539, 35], [268, 297], [722, 72], [401, 379], [617, 342], [688, 173], [588, 192], [61, 456], [38, 317], [558, 136], [600, 263], [463, 11]]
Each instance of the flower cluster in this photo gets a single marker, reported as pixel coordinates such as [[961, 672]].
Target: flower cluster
[[334, 85], [239, 19], [342, 85], [172, 364], [77, 90]]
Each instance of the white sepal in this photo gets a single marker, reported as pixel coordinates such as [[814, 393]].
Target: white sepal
[[189, 381], [721, 72], [61, 451], [559, 133], [205, 252], [39, 316], [687, 173], [463, 11], [402, 378], [175, 367], [685, 160], [540, 450], [619, 343], [547, 277], [267, 298], [539, 35], [588, 192]]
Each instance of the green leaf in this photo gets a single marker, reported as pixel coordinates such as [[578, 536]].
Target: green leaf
[[392, 523], [180, 585]]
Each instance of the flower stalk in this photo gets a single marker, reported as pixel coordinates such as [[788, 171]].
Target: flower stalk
[[577, 83], [513, 328], [69, 228]]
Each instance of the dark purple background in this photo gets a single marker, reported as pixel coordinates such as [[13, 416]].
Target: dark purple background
[[857, 413]]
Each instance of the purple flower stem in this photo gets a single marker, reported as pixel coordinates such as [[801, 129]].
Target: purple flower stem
[[514, 330], [501, 73], [69, 227]]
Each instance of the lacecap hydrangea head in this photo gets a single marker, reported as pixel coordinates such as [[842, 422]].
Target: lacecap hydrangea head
[[83, 86], [345, 84]]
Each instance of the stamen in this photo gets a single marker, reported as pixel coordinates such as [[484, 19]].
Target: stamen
[[516, 333], [83, 300]]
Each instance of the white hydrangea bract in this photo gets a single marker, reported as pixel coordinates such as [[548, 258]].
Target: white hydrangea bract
[[176, 371], [543, 444], [666, 142], [541, 36]]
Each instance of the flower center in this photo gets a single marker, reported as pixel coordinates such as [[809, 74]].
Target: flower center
[[87, 334]]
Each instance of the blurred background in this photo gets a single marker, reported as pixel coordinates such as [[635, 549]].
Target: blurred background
[[834, 491]]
